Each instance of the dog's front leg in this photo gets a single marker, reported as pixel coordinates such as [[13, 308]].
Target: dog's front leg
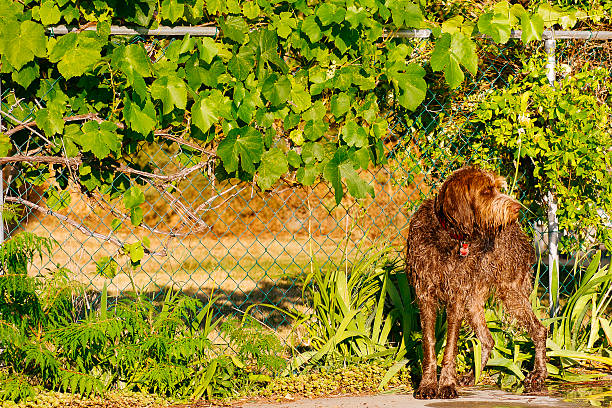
[[428, 387], [447, 387]]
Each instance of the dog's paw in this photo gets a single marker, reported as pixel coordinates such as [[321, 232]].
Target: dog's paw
[[534, 382], [447, 391], [466, 379], [426, 391]]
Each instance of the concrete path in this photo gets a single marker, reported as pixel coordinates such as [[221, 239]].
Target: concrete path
[[468, 398]]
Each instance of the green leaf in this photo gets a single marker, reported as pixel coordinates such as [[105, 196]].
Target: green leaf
[[20, 43], [172, 10], [100, 139], [57, 200], [235, 28], [328, 13], [215, 7], [340, 104], [451, 51], [133, 61], [550, 14], [241, 64], [315, 129], [276, 90], [5, 145], [106, 267], [26, 75], [50, 121], [266, 44], [465, 51], [286, 24], [49, 13], [244, 146], [412, 86], [294, 159], [300, 99], [136, 216], [311, 29], [354, 135], [307, 175], [171, 90], [357, 186], [133, 197], [115, 224], [532, 27], [331, 173], [208, 49], [136, 252], [204, 113], [140, 120], [405, 13], [273, 165], [496, 26]]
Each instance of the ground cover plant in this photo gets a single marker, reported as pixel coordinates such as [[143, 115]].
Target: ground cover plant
[[57, 336]]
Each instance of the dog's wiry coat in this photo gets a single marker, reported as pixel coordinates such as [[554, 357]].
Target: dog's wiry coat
[[497, 259]]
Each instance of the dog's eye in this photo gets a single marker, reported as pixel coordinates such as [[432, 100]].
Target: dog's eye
[[487, 191]]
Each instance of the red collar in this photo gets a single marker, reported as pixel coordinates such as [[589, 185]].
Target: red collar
[[464, 249]]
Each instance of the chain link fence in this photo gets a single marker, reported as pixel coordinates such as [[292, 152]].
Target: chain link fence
[[252, 247]]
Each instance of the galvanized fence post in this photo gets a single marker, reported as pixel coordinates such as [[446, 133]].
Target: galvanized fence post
[[551, 201]]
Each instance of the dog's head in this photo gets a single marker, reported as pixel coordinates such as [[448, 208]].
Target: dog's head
[[471, 200]]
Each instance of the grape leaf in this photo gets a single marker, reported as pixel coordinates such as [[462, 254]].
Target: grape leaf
[[244, 146], [171, 90], [208, 49], [77, 55], [100, 139], [532, 27], [273, 165], [340, 104], [241, 64], [496, 26], [204, 113], [276, 90], [140, 120], [20, 43], [354, 134], [50, 121], [133, 61], [234, 28], [49, 13], [133, 197], [450, 51], [411, 84], [405, 13], [172, 10], [26, 75], [5, 145], [311, 29]]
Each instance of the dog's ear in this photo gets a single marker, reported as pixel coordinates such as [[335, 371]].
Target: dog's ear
[[453, 203]]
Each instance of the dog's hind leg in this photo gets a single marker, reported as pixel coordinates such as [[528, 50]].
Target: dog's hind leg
[[476, 317], [517, 305], [447, 387], [429, 384]]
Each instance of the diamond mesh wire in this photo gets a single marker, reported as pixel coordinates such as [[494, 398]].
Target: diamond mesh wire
[[251, 247]]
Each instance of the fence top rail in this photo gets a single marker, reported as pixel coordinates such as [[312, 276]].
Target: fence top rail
[[212, 31]]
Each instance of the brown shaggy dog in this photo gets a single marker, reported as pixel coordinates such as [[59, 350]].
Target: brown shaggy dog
[[463, 246]]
